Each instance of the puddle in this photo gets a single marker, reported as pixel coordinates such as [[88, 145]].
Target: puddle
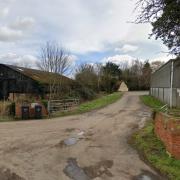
[[73, 171], [70, 141], [67, 142], [99, 169], [6, 174], [146, 175], [77, 135]]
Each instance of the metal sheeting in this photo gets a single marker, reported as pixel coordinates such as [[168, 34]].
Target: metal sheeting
[[162, 77], [163, 95], [161, 83]]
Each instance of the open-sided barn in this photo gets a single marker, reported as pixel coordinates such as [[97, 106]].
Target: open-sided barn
[[19, 80], [165, 83]]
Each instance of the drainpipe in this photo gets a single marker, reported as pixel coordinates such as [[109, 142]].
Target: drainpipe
[[171, 87]]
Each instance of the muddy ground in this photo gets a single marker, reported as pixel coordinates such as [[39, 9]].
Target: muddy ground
[[88, 146]]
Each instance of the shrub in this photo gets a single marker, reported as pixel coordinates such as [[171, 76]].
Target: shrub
[[45, 103], [86, 93], [5, 107]]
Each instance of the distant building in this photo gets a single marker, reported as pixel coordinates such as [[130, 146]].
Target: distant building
[[123, 87], [165, 83], [15, 81]]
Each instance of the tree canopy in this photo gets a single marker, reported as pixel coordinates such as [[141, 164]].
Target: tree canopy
[[164, 15]]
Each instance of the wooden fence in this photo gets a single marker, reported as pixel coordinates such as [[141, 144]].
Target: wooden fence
[[62, 105]]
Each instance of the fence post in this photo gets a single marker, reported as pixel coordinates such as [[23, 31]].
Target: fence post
[[49, 107]]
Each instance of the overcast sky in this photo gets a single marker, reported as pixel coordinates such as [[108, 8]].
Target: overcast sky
[[92, 30]]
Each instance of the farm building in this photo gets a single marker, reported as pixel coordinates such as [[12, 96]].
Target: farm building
[[123, 87], [16, 81], [165, 83]]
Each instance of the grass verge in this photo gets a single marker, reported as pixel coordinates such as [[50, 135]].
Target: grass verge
[[156, 105], [153, 150], [92, 105], [6, 118], [151, 101]]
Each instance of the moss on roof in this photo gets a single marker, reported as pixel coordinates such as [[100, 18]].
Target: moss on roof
[[40, 76]]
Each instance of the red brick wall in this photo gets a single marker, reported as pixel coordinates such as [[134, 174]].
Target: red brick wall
[[167, 128], [31, 111]]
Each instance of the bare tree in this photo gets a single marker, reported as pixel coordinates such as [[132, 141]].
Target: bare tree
[[156, 65], [86, 75], [56, 61]]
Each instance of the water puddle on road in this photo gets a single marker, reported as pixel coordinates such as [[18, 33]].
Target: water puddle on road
[[75, 172], [77, 135], [147, 175], [70, 141]]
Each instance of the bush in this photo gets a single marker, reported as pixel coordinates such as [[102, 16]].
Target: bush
[[45, 103], [86, 93], [82, 92], [5, 108]]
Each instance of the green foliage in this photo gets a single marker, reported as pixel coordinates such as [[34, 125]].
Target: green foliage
[[154, 151], [146, 76], [164, 15], [87, 77], [86, 93], [156, 105], [100, 102], [82, 92], [112, 69], [151, 101], [97, 78], [108, 83], [45, 103], [111, 74], [137, 76], [167, 27], [94, 104], [6, 118]]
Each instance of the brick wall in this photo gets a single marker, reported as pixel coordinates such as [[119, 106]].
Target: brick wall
[[167, 128], [18, 112]]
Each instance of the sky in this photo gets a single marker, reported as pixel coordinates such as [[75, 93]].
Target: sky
[[91, 30]]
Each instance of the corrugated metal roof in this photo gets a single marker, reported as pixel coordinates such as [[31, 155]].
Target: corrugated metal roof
[[177, 59], [38, 75]]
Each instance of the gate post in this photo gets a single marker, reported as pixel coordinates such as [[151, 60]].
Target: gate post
[[49, 107]]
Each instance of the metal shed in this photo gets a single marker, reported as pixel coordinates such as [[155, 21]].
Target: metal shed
[[165, 83]]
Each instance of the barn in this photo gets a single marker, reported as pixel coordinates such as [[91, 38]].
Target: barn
[[165, 83], [15, 81]]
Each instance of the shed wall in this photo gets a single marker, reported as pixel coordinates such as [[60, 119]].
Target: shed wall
[[162, 77], [176, 80], [161, 83]]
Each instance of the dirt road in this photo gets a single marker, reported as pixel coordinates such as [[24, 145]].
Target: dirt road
[[97, 148]]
